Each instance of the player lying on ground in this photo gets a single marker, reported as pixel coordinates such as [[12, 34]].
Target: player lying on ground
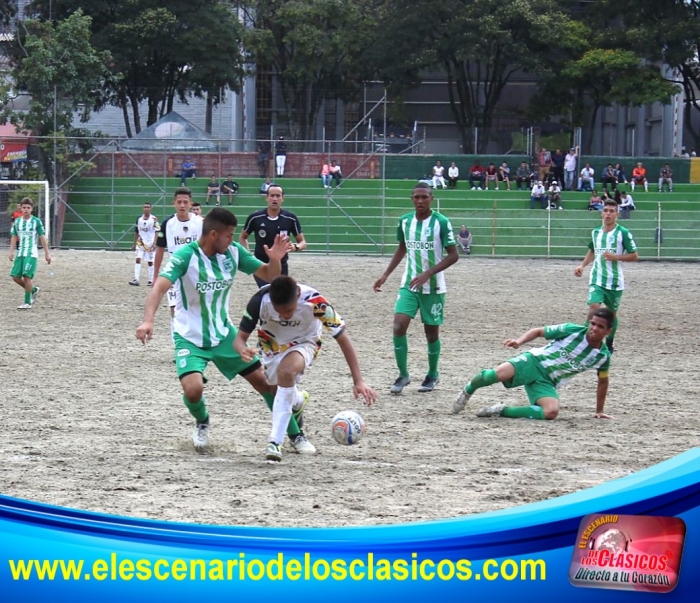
[[573, 349], [204, 332], [291, 318]]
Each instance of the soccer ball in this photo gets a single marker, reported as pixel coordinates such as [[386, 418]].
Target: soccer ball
[[347, 427]]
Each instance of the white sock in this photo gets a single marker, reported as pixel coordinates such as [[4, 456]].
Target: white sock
[[298, 398], [281, 412], [150, 273], [137, 271]]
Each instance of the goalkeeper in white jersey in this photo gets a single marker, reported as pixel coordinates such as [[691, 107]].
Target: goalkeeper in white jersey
[[291, 318], [572, 349]]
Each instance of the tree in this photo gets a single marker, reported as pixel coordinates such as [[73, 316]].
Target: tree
[[161, 51], [64, 75]]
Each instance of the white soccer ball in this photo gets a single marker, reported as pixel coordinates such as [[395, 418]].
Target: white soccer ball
[[348, 427]]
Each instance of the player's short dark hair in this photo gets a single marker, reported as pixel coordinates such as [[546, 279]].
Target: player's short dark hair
[[196, 204], [147, 203], [218, 219], [273, 185], [610, 202], [423, 185], [182, 190], [283, 290], [607, 315], [27, 201]]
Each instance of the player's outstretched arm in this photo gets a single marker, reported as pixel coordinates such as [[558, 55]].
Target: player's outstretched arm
[[144, 332], [47, 251], [399, 254], [601, 395], [360, 388], [524, 338], [587, 260], [281, 247]]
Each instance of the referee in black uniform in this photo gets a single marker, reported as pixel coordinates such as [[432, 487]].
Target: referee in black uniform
[[266, 224]]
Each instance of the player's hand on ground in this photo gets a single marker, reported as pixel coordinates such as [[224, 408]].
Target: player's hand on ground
[[602, 415], [144, 332], [511, 343], [419, 281], [378, 283], [281, 247], [578, 271], [364, 390]]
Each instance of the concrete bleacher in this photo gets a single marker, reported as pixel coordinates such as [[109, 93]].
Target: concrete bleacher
[[361, 216]]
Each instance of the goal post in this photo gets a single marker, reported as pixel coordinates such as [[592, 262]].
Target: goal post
[[12, 192]]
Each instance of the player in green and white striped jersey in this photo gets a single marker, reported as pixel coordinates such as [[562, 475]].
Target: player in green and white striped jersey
[[610, 244], [204, 333], [572, 349], [24, 234], [428, 243]]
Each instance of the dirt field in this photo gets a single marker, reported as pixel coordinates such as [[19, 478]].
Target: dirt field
[[94, 420]]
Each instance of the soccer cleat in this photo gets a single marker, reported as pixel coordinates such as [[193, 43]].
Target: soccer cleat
[[273, 454], [200, 436], [491, 411], [399, 384], [25, 307], [135, 283], [428, 384], [461, 402], [298, 412], [302, 445], [36, 293]]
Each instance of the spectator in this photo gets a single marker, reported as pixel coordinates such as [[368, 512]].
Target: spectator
[[617, 197], [626, 205], [586, 179], [639, 176], [554, 196], [504, 174], [336, 173], [265, 185], [17, 213], [608, 177], [464, 238], [491, 176], [439, 175], [476, 176], [264, 158], [452, 176], [188, 170], [545, 162], [538, 194], [280, 156], [693, 153], [325, 175], [229, 187], [197, 208], [213, 190], [620, 173], [524, 177], [666, 178], [596, 201], [558, 160], [570, 162]]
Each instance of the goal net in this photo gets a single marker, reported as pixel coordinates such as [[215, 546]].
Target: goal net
[[11, 194]]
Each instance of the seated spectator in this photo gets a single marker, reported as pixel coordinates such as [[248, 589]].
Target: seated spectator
[[524, 177], [477, 176], [325, 175], [608, 177], [452, 176], [336, 173], [491, 176], [554, 196], [626, 205], [264, 158], [229, 187], [538, 194], [188, 170], [464, 238], [439, 175], [666, 178], [213, 190], [620, 173], [586, 181], [596, 201], [639, 176], [265, 185], [504, 174]]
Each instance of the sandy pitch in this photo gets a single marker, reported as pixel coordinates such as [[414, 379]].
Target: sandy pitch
[[94, 420]]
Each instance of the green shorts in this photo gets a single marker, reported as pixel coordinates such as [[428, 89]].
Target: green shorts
[[190, 358], [431, 305], [530, 374], [599, 295], [23, 266]]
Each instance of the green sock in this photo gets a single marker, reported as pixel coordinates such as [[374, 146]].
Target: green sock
[[197, 410], [292, 428], [401, 354], [483, 379], [433, 358], [27, 298], [523, 412], [33, 290]]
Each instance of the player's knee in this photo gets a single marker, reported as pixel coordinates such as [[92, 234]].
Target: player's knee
[[193, 392], [551, 413]]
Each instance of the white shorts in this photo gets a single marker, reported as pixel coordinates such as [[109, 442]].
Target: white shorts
[[270, 363], [147, 256], [173, 295]]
